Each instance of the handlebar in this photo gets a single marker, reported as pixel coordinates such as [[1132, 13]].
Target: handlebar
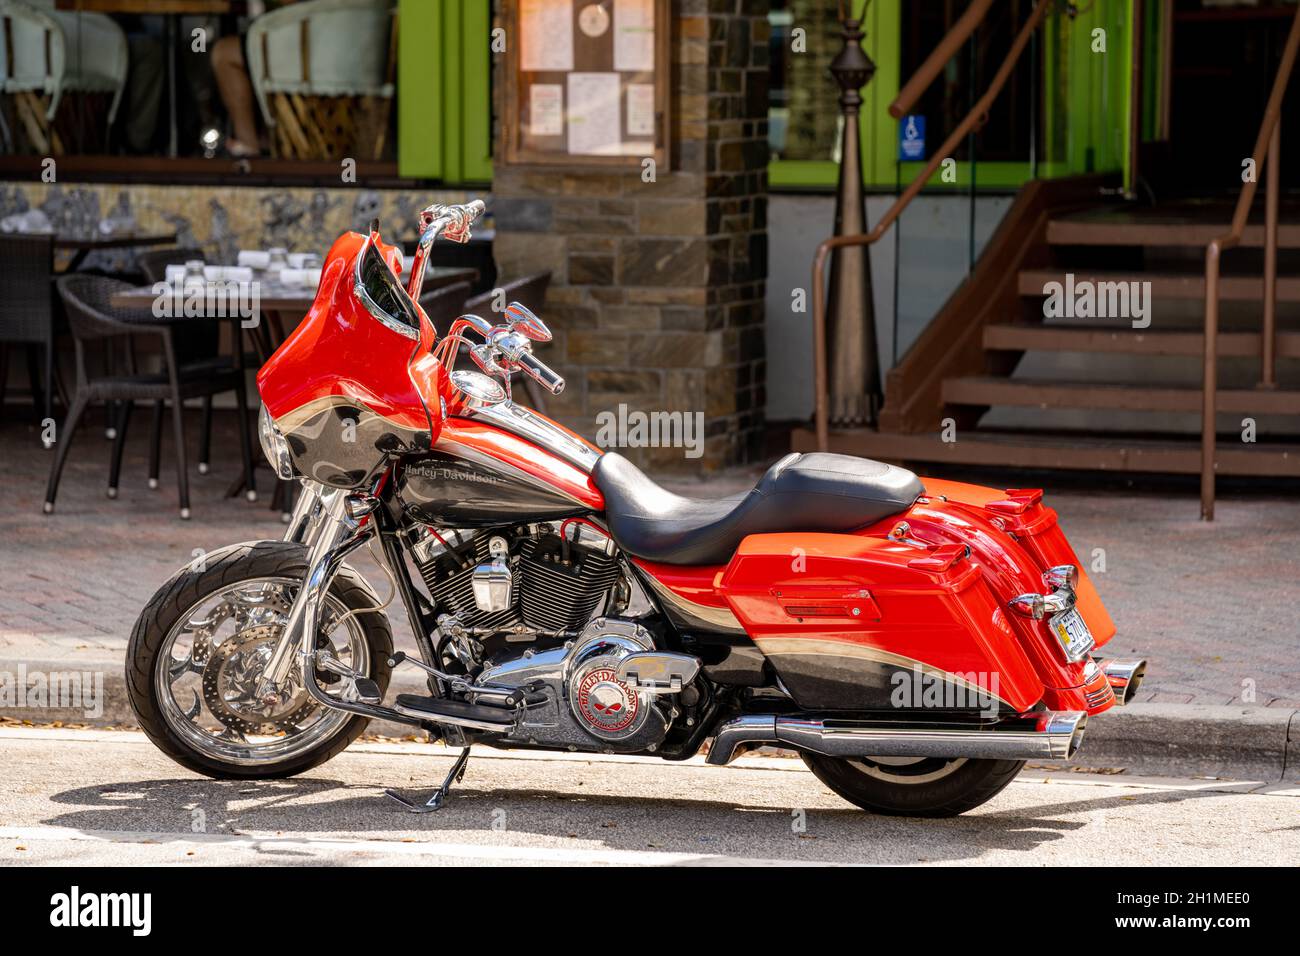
[[540, 372], [453, 222]]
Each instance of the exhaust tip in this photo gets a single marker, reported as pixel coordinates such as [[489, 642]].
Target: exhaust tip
[[1064, 730], [1125, 677]]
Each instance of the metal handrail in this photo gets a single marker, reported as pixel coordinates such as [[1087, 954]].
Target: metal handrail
[[938, 59], [977, 116], [1267, 140]]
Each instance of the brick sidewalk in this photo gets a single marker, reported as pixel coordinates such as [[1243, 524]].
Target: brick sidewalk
[[1212, 606]]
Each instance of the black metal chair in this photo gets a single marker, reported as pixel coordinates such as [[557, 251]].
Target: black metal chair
[[443, 306], [91, 316], [530, 292], [27, 314]]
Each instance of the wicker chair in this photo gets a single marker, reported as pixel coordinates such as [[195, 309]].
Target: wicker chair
[[530, 292], [48, 53], [26, 312], [323, 74], [91, 316]]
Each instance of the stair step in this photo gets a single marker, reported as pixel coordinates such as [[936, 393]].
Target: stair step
[[1091, 338], [1117, 231], [1063, 451], [1169, 285], [1034, 393]]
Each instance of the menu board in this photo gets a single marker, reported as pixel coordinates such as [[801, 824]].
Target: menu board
[[587, 82]]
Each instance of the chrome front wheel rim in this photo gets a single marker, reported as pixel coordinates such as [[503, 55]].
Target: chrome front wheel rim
[[209, 665]]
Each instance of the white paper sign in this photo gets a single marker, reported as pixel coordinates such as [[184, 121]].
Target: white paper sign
[[594, 121], [546, 44], [641, 109], [546, 109], [634, 35]]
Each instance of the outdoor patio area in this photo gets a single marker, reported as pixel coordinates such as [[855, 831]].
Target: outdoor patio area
[[73, 582]]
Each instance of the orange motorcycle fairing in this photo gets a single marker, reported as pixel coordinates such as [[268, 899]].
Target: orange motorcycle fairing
[[346, 390]]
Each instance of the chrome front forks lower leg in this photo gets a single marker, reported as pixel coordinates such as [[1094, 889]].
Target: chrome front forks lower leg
[[333, 524]]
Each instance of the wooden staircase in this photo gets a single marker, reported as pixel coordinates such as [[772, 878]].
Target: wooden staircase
[[973, 390]]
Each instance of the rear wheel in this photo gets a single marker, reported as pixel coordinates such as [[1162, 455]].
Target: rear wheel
[[914, 786]]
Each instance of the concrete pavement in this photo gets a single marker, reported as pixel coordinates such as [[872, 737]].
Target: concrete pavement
[[100, 797]]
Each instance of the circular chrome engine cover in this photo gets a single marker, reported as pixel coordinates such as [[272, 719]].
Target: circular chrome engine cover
[[605, 706]]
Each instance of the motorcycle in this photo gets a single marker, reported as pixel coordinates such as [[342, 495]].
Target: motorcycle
[[914, 641]]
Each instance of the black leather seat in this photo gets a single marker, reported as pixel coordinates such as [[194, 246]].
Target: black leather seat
[[816, 492]]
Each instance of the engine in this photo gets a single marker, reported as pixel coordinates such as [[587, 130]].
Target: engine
[[523, 583], [517, 609]]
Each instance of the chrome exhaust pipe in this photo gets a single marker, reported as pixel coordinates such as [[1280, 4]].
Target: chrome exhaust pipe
[[1125, 676], [1051, 735]]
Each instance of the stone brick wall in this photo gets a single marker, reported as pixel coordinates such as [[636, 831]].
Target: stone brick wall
[[657, 295]]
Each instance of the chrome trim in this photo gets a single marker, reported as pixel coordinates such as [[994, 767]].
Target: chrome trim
[[1125, 676], [340, 534], [436, 219], [478, 390], [361, 295], [526, 423], [1051, 735], [467, 722], [274, 446], [753, 731]]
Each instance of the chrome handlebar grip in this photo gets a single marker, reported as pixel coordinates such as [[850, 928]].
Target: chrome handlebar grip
[[541, 373]]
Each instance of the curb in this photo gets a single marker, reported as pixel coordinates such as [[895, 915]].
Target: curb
[[1147, 739]]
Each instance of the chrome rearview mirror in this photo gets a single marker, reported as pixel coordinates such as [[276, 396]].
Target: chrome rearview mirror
[[522, 320]]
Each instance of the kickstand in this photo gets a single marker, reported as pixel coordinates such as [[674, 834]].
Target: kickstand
[[439, 796]]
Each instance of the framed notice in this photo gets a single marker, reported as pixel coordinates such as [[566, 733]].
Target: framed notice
[[587, 82]]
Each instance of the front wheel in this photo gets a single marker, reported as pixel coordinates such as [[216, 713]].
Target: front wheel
[[199, 648], [914, 786]]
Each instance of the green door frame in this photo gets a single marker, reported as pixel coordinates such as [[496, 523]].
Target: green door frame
[[444, 90], [1091, 143]]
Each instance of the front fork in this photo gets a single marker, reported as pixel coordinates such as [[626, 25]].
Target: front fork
[[332, 524]]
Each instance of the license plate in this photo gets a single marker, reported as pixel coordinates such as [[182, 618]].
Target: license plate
[[1073, 633]]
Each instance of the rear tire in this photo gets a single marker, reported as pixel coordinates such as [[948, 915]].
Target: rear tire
[[924, 787], [251, 562]]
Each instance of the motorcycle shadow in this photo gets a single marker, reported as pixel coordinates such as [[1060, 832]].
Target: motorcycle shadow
[[186, 809]]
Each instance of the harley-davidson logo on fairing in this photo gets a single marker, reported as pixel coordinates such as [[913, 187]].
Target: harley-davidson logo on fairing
[[606, 702]]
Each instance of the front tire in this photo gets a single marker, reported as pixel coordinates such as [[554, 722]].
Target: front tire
[[197, 648], [914, 787]]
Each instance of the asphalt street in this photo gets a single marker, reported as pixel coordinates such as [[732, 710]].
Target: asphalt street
[[86, 797]]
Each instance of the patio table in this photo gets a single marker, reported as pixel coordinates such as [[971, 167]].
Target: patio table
[[82, 245]]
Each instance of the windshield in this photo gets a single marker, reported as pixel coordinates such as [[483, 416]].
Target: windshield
[[383, 296]]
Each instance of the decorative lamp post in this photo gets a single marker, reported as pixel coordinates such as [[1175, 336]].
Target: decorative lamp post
[[854, 367]]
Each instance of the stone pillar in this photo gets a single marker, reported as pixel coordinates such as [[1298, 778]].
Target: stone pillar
[[657, 291]]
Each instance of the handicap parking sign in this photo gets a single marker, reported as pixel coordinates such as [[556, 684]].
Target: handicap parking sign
[[911, 138]]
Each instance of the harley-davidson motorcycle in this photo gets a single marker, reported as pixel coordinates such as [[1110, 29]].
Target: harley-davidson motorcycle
[[914, 641]]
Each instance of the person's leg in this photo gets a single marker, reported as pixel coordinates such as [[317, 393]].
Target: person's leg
[[236, 93]]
